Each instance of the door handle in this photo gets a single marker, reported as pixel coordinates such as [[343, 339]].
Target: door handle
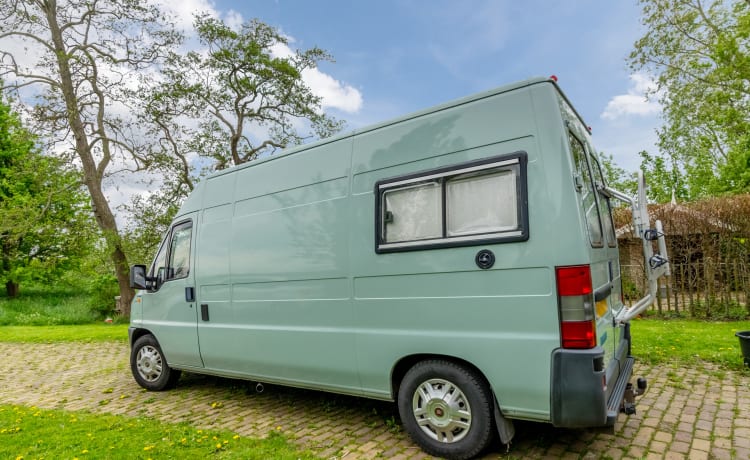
[[204, 312], [189, 294], [603, 292]]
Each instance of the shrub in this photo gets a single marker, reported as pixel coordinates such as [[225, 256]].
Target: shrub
[[102, 290]]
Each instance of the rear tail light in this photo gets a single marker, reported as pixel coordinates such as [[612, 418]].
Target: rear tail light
[[575, 296]]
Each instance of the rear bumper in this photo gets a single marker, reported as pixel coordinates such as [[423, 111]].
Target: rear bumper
[[579, 393]]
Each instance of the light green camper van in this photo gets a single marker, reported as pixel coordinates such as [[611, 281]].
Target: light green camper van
[[461, 261]]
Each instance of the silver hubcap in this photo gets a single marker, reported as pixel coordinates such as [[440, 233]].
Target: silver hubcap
[[442, 410], [149, 363]]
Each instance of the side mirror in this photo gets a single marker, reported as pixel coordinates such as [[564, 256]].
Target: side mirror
[[138, 277]]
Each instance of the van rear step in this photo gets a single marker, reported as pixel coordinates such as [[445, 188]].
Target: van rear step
[[623, 396]]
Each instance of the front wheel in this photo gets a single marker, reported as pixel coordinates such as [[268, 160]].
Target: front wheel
[[446, 409], [149, 367]]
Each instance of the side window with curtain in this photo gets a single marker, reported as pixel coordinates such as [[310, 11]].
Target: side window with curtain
[[470, 203], [588, 191]]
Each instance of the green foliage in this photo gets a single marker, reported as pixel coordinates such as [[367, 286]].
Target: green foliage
[[30, 432], [99, 332], [45, 220], [681, 342], [697, 52], [40, 305], [102, 289], [716, 310], [616, 177]]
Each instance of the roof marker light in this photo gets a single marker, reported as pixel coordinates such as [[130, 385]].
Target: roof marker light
[[553, 78]]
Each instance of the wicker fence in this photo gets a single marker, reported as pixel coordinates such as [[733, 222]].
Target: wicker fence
[[703, 289], [708, 245]]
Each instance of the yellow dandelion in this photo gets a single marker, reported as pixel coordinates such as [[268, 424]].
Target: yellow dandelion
[[236, 437], [218, 446], [278, 428], [85, 451]]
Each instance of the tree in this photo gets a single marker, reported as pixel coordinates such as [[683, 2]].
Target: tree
[[89, 53], [697, 51], [664, 178], [241, 97], [246, 93], [45, 221], [616, 177]]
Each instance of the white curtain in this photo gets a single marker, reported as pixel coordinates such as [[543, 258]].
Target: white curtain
[[482, 204], [416, 213]]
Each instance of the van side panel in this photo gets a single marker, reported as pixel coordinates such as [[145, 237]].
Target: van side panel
[[288, 318], [437, 301]]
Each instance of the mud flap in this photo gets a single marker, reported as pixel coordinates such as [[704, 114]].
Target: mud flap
[[505, 428]]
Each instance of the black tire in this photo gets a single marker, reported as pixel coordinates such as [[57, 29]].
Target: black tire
[[149, 366], [447, 409]]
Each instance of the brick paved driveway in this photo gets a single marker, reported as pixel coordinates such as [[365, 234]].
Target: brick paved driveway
[[695, 413]]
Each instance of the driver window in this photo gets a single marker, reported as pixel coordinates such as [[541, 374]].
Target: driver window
[[160, 261], [179, 253]]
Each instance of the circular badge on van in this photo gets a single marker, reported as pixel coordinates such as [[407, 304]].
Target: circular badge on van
[[485, 259]]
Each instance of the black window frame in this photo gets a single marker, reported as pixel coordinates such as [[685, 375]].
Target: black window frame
[[517, 160], [609, 231], [167, 241], [572, 137]]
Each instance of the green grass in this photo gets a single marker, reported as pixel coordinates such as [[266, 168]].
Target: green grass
[[39, 305], [684, 341], [99, 332], [31, 433]]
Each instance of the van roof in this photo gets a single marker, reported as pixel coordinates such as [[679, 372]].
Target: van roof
[[453, 103]]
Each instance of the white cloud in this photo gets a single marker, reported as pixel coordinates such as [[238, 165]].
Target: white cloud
[[335, 94], [635, 102], [184, 10], [233, 20]]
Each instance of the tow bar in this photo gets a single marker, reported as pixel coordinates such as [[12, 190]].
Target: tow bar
[[628, 402]]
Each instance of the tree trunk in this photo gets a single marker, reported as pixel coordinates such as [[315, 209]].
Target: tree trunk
[[92, 171], [12, 289]]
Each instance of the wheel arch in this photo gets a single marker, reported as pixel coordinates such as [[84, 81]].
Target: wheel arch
[[138, 332], [407, 362]]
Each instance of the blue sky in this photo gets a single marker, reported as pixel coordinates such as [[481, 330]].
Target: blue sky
[[394, 57]]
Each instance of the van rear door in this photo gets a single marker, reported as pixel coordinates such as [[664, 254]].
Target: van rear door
[[604, 258]]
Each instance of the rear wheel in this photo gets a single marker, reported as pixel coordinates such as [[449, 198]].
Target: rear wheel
[[446, 409], [149, 367]]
